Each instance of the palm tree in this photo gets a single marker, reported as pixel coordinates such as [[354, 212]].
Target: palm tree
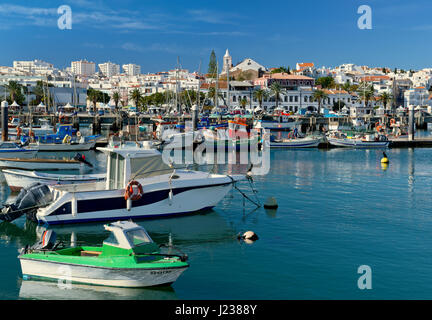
[[212, 94], [260, 94], [319, 95], [366, 92], [243, 103], [93, 96], [14, 89], [385, 97], [136, 96], [116, 98], [276, 89]]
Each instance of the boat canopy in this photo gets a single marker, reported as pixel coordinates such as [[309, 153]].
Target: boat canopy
[[127, 235]]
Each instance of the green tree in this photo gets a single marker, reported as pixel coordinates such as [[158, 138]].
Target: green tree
[[15, 91], [366, 92], [319, 95], [116, 98], [326, 82], [243, 103], [260, 95], [212, 67], [136, 96], [385, 97], [276, 90]]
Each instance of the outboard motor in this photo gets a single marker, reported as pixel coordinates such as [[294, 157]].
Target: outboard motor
[[81, 158], [46, 242], [28, 201]]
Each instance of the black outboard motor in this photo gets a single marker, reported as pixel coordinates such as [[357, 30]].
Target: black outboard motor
[[28, 201], [46, 242], [81, 158]]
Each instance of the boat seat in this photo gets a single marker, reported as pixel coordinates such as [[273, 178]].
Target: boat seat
[[86, 253]]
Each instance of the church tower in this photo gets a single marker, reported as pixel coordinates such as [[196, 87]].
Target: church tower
[[227, 62]]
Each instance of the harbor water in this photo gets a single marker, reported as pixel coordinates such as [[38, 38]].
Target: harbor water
[[338, 209]]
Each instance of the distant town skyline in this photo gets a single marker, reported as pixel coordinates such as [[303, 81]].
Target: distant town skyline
[[155, 35]]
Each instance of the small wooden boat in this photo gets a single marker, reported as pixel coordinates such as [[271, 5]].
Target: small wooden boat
[[12, 150], [358, 141], [44, 164], [306, 142], [18, 179], [128, 258]]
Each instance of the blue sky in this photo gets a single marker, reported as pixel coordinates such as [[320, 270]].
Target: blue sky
[[153, 33]]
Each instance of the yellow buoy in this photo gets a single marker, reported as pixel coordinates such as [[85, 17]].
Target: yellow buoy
[[384, 158]]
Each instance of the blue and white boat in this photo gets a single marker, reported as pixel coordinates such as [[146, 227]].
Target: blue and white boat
[[11, 150], [139, 184], [339, 139]]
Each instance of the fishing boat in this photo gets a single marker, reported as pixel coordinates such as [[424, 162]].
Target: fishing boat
[[44, 164], [296, 142], [18, 179], [128, 258], [276, 122], [139, 184], [339, 139], [238, 136], [13, 150]]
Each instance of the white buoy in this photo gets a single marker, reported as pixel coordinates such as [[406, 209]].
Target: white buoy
[[248, 237], [271, 203], [128, 204]]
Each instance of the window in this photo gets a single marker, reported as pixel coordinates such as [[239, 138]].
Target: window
[[111, 240], [138, 237]]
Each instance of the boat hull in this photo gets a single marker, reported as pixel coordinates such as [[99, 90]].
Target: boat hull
[[95, 275], [296, 143], [108, 205], [21, 154], [64, 146], [40, 164], [353, 143], [18, 179]]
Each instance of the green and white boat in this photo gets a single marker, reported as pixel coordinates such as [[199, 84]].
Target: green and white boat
[[128, 258]]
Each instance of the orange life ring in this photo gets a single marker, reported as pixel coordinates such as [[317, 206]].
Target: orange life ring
[[378, 128], [133, 193], [392, 121]]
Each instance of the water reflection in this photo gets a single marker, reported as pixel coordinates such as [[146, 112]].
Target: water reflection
[[44, 290]]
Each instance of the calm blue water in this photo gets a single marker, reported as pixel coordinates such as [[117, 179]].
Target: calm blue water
[[338, 209]]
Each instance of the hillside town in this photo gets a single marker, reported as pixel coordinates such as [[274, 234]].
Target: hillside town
[[306, 89]]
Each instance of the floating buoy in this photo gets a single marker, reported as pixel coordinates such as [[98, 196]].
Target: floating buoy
[[384, 166], [385, 158], [248, 236], [271, 203]]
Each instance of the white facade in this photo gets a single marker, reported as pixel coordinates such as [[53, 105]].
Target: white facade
[[131, 69], [83, 67], [109, 69], [34, 66], [417, 97]]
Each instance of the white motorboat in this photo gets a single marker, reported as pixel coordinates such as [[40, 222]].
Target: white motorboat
[[139, 184], [306, 142], [12, 150], [44, 164], [338, 139], [18, 179]]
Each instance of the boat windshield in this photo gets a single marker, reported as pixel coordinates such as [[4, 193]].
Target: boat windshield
[[138, 237], [149, 167]]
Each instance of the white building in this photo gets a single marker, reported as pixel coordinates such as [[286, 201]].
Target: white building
[[109, 69], [83, 67], [131, 69], [34, 66], [417, 97]]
